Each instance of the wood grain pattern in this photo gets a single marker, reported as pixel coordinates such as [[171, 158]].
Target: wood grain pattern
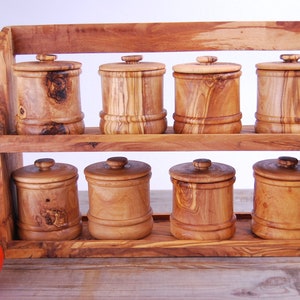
[[277, 103], [276, 198], [119, 198], [7, 86], [48, 97], [157, 37], [202, 201], [207, 98], [132, 97], [7, 230], [152, 278], [92, 140], [144, 37], [8, 161], [158, 244], [47, 196]]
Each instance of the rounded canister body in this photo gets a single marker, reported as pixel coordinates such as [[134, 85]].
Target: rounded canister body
[[47, 200], [207, 97], [119, 199], [48, 97], [276, 208], [278, 100], [202, 201], [132, 97]]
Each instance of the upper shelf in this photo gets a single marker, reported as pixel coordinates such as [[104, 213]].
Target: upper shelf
[[139, 37], [92, 140]]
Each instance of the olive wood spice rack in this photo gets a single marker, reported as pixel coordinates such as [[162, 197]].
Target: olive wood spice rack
[[138, 38]]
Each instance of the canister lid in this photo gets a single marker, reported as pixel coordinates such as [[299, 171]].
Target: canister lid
[[132, 63], [202, 171], [206, 65], [45, 170], [117, 168], [289, 63], [45, 63], [284, 168]]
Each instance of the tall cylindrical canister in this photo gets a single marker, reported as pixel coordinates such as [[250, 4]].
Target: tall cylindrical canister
[[47, 200], [48, 97], [202, 201], [207, 97], [132, 97], [276, 209], [278, 100], [119, 199]]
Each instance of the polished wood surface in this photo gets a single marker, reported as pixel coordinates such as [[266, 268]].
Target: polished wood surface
[[132, 97], [92, 140], [278, 89], [202, 200], [153, 278], [207, 97], [158, 37], [48, 96], [119, 199], [47, 201], [152, 37], [160, 243], [276, 212]]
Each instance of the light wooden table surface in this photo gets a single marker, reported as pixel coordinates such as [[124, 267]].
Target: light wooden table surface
[[154, 278]]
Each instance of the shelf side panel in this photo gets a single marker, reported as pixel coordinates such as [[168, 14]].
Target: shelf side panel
[[8, 162]]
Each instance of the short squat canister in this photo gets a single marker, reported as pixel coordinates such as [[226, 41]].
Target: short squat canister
[[47, 201], [278, 100], [132, 97], [119, 199], [48, 97], [207, 97], [276, 208], [202, 201]]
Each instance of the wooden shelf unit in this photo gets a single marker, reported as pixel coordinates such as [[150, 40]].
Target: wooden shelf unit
[[137, 38]]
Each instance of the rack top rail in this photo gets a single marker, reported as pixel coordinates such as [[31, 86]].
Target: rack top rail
[[155, 37]]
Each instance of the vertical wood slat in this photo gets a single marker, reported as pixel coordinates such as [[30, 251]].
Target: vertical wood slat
[[8, 162], [156, 37]]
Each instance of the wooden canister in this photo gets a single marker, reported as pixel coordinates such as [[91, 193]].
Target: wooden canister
[[207, 97], [119, 199], [202, 201], [48, 97], [276, 209], [132, 97], [47, 201], [278, 100]]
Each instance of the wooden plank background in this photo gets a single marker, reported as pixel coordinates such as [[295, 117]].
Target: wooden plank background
[[144, 278]]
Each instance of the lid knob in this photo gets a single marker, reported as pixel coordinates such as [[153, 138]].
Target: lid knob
[[290, 58], [117, 162], [206, 59], [287, 162], [46, 57], [202, 164], [132, 59], [44, 164]]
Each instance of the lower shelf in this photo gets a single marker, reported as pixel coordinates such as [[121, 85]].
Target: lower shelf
[[160, 243]]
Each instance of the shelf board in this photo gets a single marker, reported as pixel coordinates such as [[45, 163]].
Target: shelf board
[[92, 140], [160, 243]]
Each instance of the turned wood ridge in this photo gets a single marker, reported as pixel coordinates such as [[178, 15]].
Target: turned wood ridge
[[128, 38]]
